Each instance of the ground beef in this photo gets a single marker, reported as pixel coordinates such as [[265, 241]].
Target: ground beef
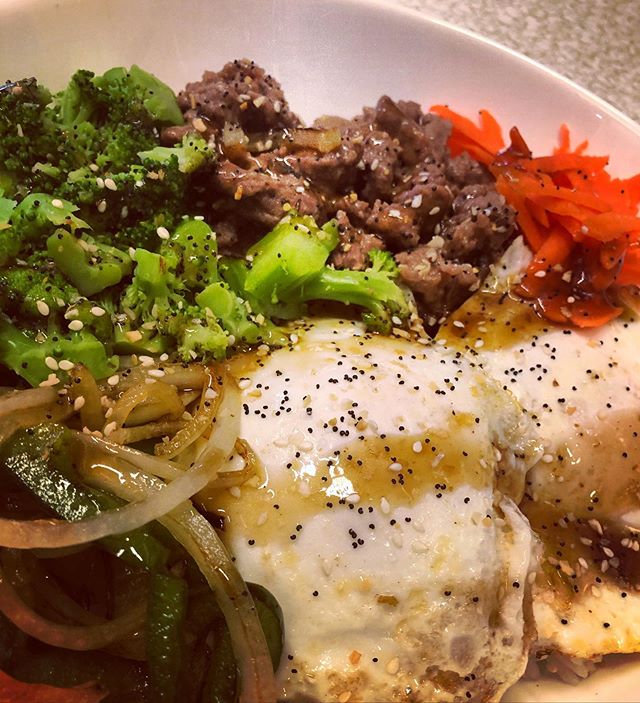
[[390, 183], [355, 244], [241, 93]]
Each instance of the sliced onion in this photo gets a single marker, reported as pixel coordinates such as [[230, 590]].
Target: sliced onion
[[131, 435], [19, 409], [76, 637], [17, 401], [322, 140], [52, 534], [184, 377], [205, 415], [83, 385], [257, 682], [153, 410], [157, 399]]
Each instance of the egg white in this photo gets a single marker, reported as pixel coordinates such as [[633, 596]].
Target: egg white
[[385, 521], [582, 390]]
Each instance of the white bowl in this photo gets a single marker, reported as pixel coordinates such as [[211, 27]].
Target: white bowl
[[332, 56]]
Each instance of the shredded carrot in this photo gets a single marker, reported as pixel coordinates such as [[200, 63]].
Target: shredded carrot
[[14, 691], [581, 224]]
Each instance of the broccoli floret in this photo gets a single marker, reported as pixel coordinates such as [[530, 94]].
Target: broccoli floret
[[192, 252], [293, 252], [158, 298], [26, 354], [219, 302], [191, 154], [34, 218], [24, 291], [382, 260], [374, 290], [90, 265], [290, 262], [25, 138]]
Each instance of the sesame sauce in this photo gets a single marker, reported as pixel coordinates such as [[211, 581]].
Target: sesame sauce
[[376, 474]]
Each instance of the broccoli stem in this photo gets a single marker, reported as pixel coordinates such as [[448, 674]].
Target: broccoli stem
[[295, 251], [27, 356], [89, 265]]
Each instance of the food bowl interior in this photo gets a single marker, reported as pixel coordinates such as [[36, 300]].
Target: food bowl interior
[[332, 57]]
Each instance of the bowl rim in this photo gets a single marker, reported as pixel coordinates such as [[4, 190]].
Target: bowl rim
[[425, 18]]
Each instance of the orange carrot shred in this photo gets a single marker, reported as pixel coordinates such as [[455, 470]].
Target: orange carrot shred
[[575, 218]]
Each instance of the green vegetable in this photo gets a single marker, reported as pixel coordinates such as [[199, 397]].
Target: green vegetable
[[91, 266], [35, 217], [25, 353], [157, 97], [190, 155], [159, 296], [291, 254], [192, 252], [374, 290], [40, 459], [24, 289], [164, 634]]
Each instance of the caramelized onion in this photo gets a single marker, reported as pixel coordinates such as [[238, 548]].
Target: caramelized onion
[[83, 385], [204, 416], [163, 397]]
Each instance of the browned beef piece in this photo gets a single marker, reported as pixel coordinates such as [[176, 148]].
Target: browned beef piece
[[480, 225], [440, 285], [431, 205], [241, 93], [330, 173], [420, 136], [395, 224], [355, 244], [463, 171], [250, 202]]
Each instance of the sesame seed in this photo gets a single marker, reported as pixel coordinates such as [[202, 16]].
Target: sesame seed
[[540, 274], [417, 447], [113, 380], [393, 666], [163, 233], [78, 403], [66, 365], [109, 428], [146, 360], [396, 467], [43, 308], [416, 201], [51, 363], [102, 205], [353, 498], [384, 506], [56, 202], [110, 184], [434, 210], [156, 373], [76, 325], [52, 380]]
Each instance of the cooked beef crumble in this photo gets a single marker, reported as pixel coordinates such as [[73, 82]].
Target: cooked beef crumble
[[386, 176]]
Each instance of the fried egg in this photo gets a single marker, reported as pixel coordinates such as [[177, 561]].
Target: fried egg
[[582, 498], [385, 518]]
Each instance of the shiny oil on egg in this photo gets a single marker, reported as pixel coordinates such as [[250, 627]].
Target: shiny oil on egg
[[385, 517]]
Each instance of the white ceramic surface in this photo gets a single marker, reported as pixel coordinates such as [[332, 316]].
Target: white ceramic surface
[[332, 56]]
